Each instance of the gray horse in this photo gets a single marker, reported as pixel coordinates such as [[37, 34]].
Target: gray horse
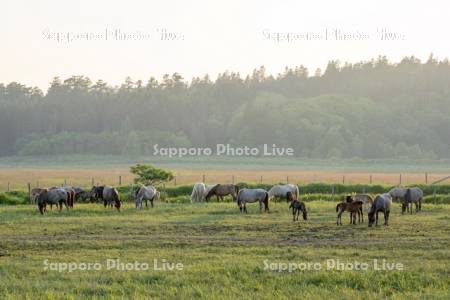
[[251, 196], [147, 193], [397, 193], [382, 203], [412, 195], [56, 196], [108, 194]]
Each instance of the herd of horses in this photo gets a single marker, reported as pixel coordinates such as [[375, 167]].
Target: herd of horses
[[354, 204]]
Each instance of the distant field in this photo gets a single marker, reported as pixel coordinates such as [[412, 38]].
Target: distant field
[[81, 170], [222, 252]]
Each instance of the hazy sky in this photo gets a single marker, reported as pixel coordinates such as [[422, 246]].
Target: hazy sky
[[212, 36]]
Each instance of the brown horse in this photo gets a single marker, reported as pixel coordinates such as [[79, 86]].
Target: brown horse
[[296, 206], [354, 208], [222, 190]]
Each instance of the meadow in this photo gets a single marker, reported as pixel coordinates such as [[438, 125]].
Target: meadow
[[224, 253]]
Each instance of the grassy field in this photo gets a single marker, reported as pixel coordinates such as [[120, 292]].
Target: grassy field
[[222, 252]]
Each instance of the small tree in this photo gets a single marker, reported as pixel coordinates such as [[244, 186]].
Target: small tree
[[147, 174]]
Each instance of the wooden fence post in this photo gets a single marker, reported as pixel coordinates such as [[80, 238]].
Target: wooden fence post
[[175, 180], [370, 179], [287, 179], [29, 192], [92, 181], [426, 178], [260, 179], [434, 195], [8, 187], [343, 179], [120, 180], [204, 178], [400, 181], [232, 179]]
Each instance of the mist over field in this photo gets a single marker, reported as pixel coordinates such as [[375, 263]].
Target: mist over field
[[375, 109]]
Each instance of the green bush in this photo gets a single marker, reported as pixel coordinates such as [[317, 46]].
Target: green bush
[[14, 198]]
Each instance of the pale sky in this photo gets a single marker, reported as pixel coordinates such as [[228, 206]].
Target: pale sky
[[215, 36]]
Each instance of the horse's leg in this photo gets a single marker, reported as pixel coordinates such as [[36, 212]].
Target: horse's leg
[[386, 222], [376, 218], [293, 214], [151, 202], [411, 207], [146, 203], [260, 206], [245, 208], [339, 221], [420, 204]]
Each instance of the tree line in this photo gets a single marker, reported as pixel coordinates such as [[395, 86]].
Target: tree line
[[371, 109]]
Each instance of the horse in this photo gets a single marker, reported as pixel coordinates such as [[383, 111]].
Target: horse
[[198, 192], [382, 203], [70, 195], [296, 207], [81, 194], [251, 196], [280, 191], [397, 193], [221, 190], [34, 193], [147, 193], [354, 208], [366, 199], [108, 194], [412, 195], [53, 196]]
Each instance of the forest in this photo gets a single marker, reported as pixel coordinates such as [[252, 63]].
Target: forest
[[369, 110]]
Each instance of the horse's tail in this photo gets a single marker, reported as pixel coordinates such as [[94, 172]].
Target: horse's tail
[[116, 199], [236, 189], [337, 207], [297, 192], [266, 201]]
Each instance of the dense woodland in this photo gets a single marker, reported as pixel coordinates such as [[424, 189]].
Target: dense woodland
[[375, 109]]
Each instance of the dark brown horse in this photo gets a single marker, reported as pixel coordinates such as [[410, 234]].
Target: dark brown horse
[[354, 208], [222, 190], [296, 206]]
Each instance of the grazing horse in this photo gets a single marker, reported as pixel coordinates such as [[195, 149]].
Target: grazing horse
[[397, 193], [147, 193], [296, 206], [221, 190], [412, 195], [81, 194], [382, 203], [53, 196], [251, 196], [108, 194], [70, 195], [354, 208], [366, 199], [198, 192], [280, 191]]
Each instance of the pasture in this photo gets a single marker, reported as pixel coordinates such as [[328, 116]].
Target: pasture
[[222, 251]]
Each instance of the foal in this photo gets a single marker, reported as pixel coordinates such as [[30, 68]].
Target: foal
[[354, 208], [296, 206]]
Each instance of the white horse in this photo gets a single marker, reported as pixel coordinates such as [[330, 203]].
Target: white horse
[[147, 193], [199, 191], [280, 191]]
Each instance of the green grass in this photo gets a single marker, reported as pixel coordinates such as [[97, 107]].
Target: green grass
[[222, 251]]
